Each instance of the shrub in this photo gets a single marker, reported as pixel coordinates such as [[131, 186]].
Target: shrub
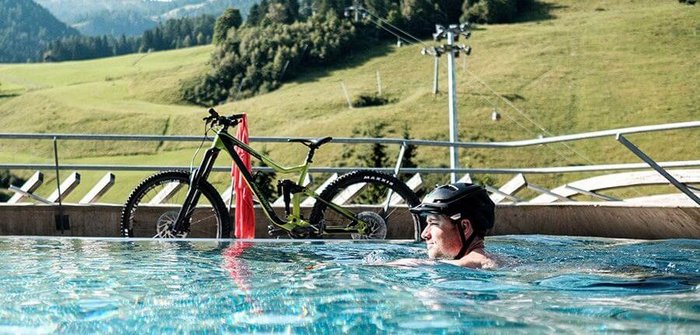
[[493, 11], [368, 100], [7, 179]]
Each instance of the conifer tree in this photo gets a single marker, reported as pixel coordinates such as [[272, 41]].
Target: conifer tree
[[231, 18]]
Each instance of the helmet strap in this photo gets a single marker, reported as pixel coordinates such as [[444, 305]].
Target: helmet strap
[[465, 241]]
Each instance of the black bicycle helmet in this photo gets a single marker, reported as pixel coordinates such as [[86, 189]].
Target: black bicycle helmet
[[460, 201], [468, 200]]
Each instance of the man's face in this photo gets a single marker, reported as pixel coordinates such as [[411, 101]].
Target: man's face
[[441, 237]]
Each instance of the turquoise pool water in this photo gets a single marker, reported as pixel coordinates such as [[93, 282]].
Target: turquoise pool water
[[546, 285]]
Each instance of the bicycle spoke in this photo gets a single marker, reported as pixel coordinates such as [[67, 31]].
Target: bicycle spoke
[[203, 219], [159, 234], [387, 216], [143, 218], [372, 205]]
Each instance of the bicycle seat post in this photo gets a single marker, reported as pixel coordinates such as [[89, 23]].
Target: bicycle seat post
[[312, 145], [310, 155]]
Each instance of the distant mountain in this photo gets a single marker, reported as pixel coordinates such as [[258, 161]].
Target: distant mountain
[[127, 23], [133, 17], [26, 28]]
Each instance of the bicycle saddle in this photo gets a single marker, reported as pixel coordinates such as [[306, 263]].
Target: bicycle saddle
[[312, 143]]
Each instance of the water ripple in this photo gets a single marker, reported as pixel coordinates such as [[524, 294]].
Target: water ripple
[[546, 285]]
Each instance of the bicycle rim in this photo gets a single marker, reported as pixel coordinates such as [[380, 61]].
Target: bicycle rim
[[154, 205], [366, 194]]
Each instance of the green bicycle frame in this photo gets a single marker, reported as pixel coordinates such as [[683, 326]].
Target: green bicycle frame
[[224, 141]]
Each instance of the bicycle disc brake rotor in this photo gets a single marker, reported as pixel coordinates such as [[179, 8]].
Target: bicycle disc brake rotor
[[164, 225], [376, 226]]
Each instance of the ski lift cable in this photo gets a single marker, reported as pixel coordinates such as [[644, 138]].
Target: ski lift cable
[[377, 5], [523, 127], [482, 82], [509, 103], [560, 154], [393, 33], [378, 18], [395, 27], [377, 23]]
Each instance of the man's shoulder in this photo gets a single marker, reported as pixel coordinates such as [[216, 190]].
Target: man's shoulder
[[477, 259]]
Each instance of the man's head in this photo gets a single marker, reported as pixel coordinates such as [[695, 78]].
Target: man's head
[[453, 216], [442, 237]]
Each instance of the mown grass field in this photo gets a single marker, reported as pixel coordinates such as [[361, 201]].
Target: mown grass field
[[575, 66]]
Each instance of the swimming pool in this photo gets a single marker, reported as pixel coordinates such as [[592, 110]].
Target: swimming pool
[[548, 284]]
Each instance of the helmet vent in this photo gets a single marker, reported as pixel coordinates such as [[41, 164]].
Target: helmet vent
[[450, 186]]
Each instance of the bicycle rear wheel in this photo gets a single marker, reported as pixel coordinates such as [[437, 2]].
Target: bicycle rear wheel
[[154, 205], [365, 194]]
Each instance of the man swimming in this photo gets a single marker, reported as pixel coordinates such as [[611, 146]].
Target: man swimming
[[456, 218]]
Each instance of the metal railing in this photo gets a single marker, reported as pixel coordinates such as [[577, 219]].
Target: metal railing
[[359, 140], [616, 133]]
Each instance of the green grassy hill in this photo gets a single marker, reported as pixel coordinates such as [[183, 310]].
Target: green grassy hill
[[585, 66]]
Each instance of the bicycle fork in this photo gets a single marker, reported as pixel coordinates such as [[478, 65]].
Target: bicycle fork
[[182, 223]]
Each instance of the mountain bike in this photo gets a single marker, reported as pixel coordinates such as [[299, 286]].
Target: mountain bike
[[178, 204]]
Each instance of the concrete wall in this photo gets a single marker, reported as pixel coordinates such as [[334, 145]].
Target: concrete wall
[[580, 219], [600, 219]]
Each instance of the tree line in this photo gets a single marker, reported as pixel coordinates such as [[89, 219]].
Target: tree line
[[171, 34]]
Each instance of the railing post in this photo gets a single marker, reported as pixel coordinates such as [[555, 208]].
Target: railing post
[[402, 150], [399, 161], [658, 168], [62, 222], [435, 78]]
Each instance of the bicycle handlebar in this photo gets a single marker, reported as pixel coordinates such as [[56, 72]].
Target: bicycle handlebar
[[227, 121]]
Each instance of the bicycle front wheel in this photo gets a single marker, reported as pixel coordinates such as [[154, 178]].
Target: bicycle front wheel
[[154, 204], [377, 198]]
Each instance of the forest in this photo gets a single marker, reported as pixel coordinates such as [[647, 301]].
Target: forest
[[25, 29], [172, 34], [30, 33], [282, 38]]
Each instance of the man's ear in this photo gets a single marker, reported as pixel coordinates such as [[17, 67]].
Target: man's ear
[[466, 224]]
